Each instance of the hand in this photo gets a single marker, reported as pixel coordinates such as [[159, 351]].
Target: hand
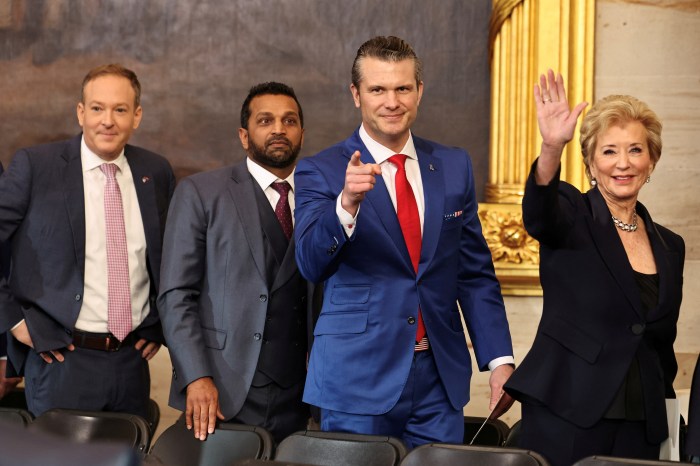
[[202, 407], [554, 117], [499, 376], [359, 179], [150, 348], [7, 384], [21, 333]]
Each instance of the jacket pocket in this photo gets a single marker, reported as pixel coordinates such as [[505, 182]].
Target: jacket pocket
[[338, 323], [213, 338], [573, 339], [350, 294]]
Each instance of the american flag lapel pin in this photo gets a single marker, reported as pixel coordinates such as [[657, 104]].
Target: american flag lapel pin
[[431, 167]]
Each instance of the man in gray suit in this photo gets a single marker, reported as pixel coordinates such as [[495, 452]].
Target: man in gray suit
[[232, 301]]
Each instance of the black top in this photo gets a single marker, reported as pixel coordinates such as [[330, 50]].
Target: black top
[[628, 403]]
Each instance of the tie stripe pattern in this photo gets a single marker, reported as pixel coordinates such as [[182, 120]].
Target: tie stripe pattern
[[407, 212], [282, 209], [118, 286]]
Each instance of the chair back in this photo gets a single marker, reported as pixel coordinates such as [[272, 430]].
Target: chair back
[[513, 435], [614, 461], [177, 446], [90, 426], [16, 416], [443, 454], [340, 449], [153, 417], [493, 433]]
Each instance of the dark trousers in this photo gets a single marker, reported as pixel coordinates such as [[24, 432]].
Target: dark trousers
[[423, 414], [89, 380], [275, 408], [563, 443]]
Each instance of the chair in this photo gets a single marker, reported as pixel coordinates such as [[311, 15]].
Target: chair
[[14, 399], [340, 449], [253, 462], [153, 417], [89, 426], [612, 461], [494, 432], [177, 446], [15, 416], [513, 435], [444, 454], [29, 447]]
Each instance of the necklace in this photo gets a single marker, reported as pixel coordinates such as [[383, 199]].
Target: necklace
[[628, 227]]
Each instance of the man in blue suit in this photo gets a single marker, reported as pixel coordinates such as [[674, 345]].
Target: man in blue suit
[[397, 242], [84, 219]]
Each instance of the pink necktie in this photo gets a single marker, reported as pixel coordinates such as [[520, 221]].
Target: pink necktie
[[407, 211], [118, 288], [282, 210]]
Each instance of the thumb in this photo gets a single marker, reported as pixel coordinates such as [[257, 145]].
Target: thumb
[[355, 159]]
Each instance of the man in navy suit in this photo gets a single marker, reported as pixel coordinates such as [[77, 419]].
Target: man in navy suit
[[6, 383], [84, 219], [389, 354]]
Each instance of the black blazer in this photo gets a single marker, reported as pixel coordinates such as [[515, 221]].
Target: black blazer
[[593, 322], [42, 215], [692, 439]]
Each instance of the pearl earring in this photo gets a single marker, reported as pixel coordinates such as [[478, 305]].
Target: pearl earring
[[594, 182]]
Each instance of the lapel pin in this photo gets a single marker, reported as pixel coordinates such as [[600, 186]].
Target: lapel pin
[[432, 169], [145, 179]]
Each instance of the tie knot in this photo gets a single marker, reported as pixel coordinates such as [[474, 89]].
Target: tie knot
[[399, 160], [109, 169], [281, 187]]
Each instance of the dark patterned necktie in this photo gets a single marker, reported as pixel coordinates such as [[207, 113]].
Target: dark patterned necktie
[[282, 210]]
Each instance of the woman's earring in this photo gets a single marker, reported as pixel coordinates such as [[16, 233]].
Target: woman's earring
[[594, 182], [648, 179]]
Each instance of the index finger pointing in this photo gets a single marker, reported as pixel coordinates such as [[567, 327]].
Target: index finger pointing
[[355, 159]]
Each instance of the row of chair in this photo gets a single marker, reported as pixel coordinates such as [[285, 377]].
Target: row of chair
[[234, 444]]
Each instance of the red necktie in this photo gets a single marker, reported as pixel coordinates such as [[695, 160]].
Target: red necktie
[[118, 288], [407, 211], [282, 210]]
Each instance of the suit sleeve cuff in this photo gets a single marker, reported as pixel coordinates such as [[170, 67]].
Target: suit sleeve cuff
[[500, 361], [347, 220]]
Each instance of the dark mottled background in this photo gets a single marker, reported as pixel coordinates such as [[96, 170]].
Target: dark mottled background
[[197, 59]]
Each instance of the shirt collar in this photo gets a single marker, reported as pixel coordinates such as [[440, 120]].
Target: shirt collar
[[381, 153], [91, 160], [263, 177]]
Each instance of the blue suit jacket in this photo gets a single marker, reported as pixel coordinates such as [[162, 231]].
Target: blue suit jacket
[[42, 215], [364, 337]]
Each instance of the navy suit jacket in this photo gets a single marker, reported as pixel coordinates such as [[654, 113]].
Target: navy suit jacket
[[42, 215], [593, 322], [364, 337]]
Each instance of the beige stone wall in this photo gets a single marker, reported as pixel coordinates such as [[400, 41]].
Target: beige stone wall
[[648, 49]]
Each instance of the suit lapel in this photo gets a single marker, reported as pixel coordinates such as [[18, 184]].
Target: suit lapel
[[75, 198], [287, 268], [241, 188], [612, 251], [434, 200], [146, 196], [664, 269]]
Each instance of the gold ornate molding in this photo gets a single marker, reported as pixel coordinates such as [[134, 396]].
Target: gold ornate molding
[[526, 37]]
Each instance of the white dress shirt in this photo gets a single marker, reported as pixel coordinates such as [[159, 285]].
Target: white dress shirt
[[93, 312], [264, 178]]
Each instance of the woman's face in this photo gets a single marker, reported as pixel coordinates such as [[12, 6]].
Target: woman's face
[[621, 162]]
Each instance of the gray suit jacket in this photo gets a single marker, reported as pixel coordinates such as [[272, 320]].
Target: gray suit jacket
[[214, 291]]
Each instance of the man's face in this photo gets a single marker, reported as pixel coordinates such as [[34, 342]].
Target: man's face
[[388, 97], [108, 115], [274, 135]]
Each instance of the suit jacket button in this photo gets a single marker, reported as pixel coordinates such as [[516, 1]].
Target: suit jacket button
[[77, 297], [257, 337], [263, 297], [638, 329], [411, 320]]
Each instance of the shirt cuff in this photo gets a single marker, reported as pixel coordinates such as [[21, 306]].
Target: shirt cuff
[[500, 361], [17, 325], [347, 220]]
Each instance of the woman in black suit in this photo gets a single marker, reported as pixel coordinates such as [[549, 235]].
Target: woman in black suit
[[602, 363], [692, 440]]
